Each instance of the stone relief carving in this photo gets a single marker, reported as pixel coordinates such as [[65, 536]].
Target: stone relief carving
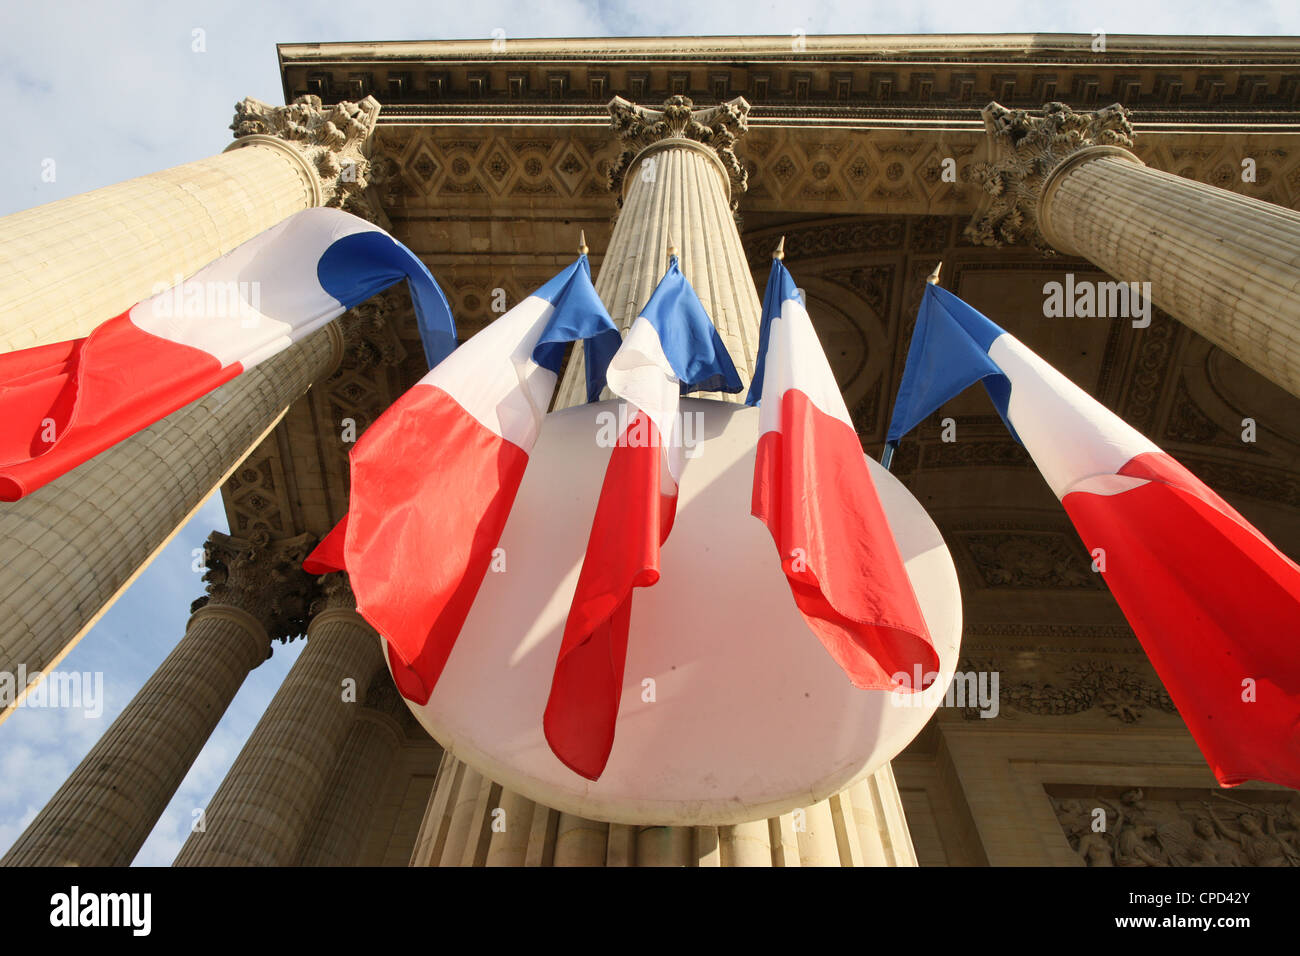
[[872, 283], [785, 171], [262, 575], [1185, 828], [1026, 149], [1268, 484], [1039, 559], [1186, 421], [1120, 692], [1150, 370], [255, 497], [874, 234], [334, 140]]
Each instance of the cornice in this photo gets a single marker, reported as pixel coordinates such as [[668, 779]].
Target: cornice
[[1010, 47], [928, 82]]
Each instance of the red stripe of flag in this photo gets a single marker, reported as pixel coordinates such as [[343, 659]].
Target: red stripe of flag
[[813, 490], [89, 394], [431, 491], [633, 519], [1216, 607]]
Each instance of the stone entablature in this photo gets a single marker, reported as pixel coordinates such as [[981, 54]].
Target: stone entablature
[[562, 172], [928, 77]]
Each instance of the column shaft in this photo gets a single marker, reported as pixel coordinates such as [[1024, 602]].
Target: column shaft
[[72, 546], [677, 193], [106, 809], [262, 809], [68, 265], [1225, 265], [338, 825]]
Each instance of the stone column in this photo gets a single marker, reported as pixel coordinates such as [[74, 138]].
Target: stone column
[[68, 265], [1225, 265], [678, 179], [339, 822], [262, 810], [74, 545], [106, 809]]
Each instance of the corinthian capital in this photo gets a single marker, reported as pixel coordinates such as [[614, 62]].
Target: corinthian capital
[[335, 594], [716, 127], [262, 576], [333, 141], [1024, 149]]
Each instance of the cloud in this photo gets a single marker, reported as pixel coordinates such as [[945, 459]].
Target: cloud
[[40, 747], [130, 94]]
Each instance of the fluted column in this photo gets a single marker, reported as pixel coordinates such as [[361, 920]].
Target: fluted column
[[262, 810], [104, 812], [678, 178], [1225, 265], [338, 824], [74, 545], [68, 265]]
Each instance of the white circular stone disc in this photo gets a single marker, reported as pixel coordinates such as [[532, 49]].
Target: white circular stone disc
[[751, 717]]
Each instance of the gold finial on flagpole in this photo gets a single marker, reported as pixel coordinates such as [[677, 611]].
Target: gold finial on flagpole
[[672, 247], [779, 252], [582, 242], [933, 277]]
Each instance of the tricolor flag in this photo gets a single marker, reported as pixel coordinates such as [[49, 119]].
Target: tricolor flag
[[672, 349], [64, 403], [1214, 603], [434, 478], [813, 490]]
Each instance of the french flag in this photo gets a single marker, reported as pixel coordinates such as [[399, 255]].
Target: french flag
[[672, 349], [64, 403], [435, 476], [813, 490], [1214, 603]]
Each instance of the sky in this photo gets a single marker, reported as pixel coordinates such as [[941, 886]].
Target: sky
[[101, 92]]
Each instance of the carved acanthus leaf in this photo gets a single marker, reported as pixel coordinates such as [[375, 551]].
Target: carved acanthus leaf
[[263, 576], [335, 141], [717, 127], [1025, 149], [335, 593]]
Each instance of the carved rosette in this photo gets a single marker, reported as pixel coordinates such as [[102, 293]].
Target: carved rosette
[[717, 127], [335, 141], [263, 576], [1025, 150]]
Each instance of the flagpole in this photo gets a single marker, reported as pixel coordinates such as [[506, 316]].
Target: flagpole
[[887, 456]]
